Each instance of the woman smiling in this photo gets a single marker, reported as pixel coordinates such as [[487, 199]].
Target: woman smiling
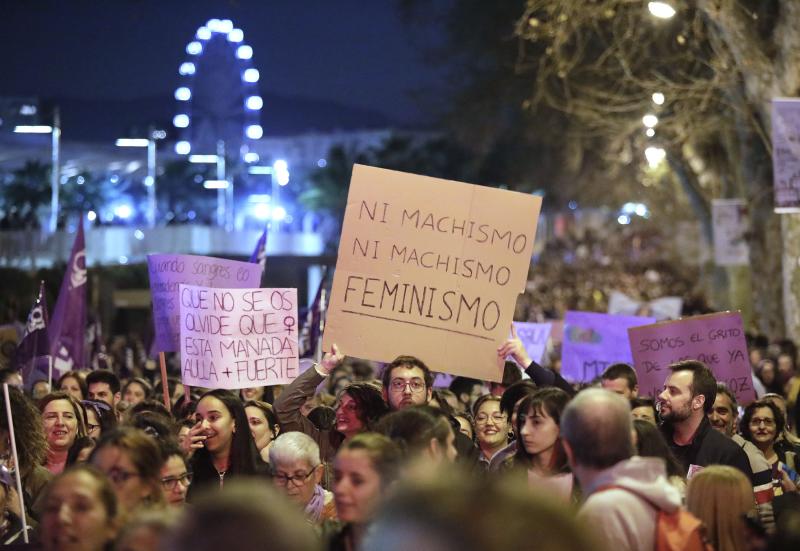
[[222, 441]]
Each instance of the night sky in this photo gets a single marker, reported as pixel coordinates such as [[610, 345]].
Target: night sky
[[354, 52]]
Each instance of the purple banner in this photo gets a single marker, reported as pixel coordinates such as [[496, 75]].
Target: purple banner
[[717, 340], [168, 271], [67, 329], [592, 342], [34, 343], [534, 337]]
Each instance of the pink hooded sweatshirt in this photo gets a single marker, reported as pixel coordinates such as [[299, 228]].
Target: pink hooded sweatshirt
[[620, 517]]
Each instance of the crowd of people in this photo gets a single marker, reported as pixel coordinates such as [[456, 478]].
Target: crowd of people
[[346, 457]]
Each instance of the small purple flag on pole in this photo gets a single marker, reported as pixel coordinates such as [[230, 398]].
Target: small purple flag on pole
[[67, 329], [259, 255], [34, 343]]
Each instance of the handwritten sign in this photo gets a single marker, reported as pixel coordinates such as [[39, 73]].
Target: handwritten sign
[[729, 218], [238, 338], [169, 271], [592, 342], [786, 154], [717, 340], [431, 268], [534, 337]]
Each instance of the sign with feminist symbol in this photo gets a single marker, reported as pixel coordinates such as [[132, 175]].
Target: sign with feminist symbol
[[238, 338], [431, 268]]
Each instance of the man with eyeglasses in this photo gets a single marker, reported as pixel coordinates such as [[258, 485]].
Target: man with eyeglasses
[[407, 381]]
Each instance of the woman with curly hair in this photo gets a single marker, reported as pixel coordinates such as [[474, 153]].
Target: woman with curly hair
[[31, 449]]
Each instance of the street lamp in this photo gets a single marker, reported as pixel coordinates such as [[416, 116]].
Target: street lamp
[[55, 172], [150, 179]]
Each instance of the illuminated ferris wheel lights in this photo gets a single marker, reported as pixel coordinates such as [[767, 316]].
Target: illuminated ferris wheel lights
[[181, 121], [254, 103], [194, 48], [236, 35], [213, 25], [251, 157], [254, 131], [203, 33], [244, 52], [183, 94], [225, 26], [186, 68], [183, 147], [250, 75]]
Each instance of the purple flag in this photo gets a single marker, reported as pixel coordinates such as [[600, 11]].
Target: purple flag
[[34, 342], [67, 329], [259, 255], [312, 328]]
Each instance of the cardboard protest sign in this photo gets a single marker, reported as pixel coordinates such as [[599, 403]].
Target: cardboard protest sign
[[431, 268], [717, 340], [786, 154], [534, 337], [592, 342], [729, 218], [168, 271], [238, 338]]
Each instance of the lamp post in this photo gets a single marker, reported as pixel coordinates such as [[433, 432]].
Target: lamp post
[[55, 172], [150, 179]]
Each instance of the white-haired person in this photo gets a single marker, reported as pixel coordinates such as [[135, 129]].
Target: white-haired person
[[297, 471]]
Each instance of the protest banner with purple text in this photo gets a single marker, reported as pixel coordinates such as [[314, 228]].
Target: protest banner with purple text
[[592, 342], [431, 268], [534, 337], [168, 271], [717, 340], [238, 338]]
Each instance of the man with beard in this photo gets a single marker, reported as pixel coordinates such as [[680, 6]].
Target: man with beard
[[687, 399]]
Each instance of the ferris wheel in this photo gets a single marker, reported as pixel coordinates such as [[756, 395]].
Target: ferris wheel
[[218, 98]]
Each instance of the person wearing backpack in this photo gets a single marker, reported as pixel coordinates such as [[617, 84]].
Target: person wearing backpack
[[629, 500]]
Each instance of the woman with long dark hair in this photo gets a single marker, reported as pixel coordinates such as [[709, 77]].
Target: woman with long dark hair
[[539, 447], [222, 442]]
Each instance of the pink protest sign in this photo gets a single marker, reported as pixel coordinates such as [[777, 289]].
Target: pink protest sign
[[168, 271], [238, 338], [715, 339]]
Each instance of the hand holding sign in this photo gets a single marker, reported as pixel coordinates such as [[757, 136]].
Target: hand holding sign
[[513, 347], [331, 359]]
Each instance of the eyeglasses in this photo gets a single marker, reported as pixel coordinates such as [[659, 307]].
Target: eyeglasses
[[118, 476], [296, 480], [498, 418], [755, 421], [171, 482], [91, 428], [399, 385]]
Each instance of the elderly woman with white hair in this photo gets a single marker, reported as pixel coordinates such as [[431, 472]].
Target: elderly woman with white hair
[[297, 471]]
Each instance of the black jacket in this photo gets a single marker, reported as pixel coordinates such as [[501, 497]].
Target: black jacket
[[708, 447]]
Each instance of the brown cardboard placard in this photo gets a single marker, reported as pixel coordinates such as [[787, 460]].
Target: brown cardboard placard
[[430, 268]]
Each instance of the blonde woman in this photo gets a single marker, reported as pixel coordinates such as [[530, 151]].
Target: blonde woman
[[722, 497]]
